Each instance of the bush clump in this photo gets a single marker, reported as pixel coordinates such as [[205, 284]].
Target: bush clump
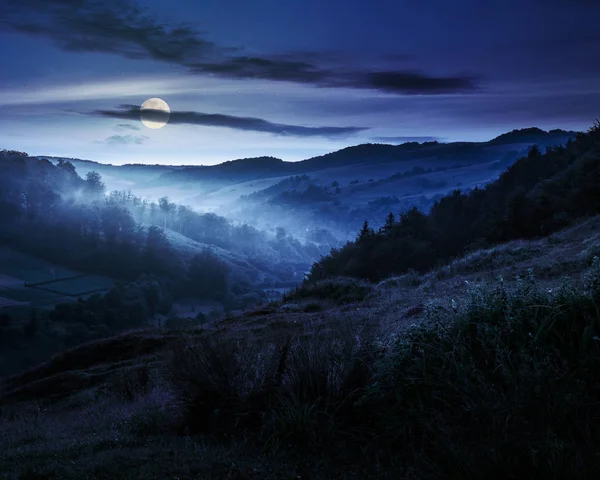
[[341, 290]]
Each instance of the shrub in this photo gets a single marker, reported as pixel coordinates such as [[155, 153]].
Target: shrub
[[313, 307], [131, 383], [224, 383], [340, 290]]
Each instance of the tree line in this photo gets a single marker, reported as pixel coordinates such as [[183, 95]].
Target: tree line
[[538, 194]]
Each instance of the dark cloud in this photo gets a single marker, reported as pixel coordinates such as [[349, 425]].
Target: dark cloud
[[121, 27], [305, 72], [126, 126], [287, 69], [132, 112], [125, 140], [413, 82], [406, 139], [110, 26]]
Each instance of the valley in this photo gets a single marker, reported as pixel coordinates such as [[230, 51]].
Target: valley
[[147, 337]]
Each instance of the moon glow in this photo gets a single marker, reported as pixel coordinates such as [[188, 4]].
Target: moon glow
[[155, 113]]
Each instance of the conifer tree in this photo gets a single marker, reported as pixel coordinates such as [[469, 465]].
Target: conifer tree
[[390, 220], [365, 231]]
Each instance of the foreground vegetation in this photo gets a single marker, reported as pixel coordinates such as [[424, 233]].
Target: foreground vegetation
[[500, 384]]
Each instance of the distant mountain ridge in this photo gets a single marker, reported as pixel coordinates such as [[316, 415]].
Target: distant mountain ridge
[[527, 135], [254, 168], [251, 169]]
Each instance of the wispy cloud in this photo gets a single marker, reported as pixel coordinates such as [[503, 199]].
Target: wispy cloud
[[290, 69], [93, 90], [126, 126], [132, 112], [123, 28], [110, 26], [125, 140]]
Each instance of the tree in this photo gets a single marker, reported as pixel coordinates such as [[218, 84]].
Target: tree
[[534, 152], [365, 231], [208, 276], [153, 208], [185, 215], [519, 214], [94, 184], [158, 249], [66, 166], [165, 206], [594, 130], [390, 220], [117, 223]]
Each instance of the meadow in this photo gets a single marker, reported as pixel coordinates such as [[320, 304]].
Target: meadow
[[27, 280]]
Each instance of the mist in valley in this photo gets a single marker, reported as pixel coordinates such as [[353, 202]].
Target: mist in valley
[[138, 245], [326, 197], [299, 240]]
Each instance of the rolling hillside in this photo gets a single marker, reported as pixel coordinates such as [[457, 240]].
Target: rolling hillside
[[476, 356], [210, 178], [107, 408]]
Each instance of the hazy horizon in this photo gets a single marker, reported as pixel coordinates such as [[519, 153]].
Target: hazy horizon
[[379, 140]]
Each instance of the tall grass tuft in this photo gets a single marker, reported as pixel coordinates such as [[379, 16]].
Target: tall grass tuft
[[225, 383], [508, 384]]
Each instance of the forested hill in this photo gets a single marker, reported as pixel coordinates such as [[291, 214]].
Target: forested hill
[[263, 167], [537, 195], [50, 212]]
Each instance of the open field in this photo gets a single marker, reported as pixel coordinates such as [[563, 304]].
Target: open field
[[80, 285], [28, 268], [27, 280]]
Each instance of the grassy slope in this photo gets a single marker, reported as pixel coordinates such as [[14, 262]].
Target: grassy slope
[[117, 408]]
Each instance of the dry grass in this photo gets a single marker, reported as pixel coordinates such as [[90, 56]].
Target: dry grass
[[460, 373]]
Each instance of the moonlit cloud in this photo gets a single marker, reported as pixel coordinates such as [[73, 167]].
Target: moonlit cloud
[[126, 126], [92, 90], [132, 112], [126, 140]]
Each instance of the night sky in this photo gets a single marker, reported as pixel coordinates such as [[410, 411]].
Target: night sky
[[291, 79]]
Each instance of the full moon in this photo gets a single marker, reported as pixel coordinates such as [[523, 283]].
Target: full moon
[[155, 113]]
